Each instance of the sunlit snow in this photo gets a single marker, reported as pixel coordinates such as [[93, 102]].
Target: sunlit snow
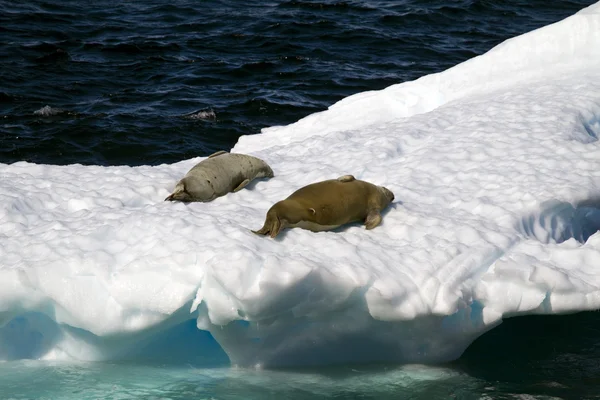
[[495, 166]]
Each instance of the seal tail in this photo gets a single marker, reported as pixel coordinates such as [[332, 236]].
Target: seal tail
[[179, 193], [272, 227]]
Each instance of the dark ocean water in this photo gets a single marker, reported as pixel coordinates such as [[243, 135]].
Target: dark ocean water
[[149, 82]]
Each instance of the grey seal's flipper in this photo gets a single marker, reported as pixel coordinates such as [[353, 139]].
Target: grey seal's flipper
[[179, 193], [242, 185], [346, 178], [373, 219], [218, 153]]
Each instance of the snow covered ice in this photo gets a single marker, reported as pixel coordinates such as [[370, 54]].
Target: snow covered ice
[[495, 166]]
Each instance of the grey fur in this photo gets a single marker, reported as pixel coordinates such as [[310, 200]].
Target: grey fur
[[217, 175]]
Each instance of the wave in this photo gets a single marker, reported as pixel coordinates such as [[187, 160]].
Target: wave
[[48, 111], [203, 114], [319, 5]]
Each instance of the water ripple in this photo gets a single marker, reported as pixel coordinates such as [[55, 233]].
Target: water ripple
[[127, 72]]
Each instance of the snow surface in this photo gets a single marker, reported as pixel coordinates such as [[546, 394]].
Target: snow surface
[[495, 165]]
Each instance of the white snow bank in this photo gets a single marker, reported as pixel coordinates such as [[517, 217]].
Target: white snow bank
[[495, 165]]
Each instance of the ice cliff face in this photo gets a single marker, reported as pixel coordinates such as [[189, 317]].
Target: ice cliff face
[[494, 164]]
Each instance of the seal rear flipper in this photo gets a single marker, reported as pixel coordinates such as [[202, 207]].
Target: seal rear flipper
[[180, 194], [346, 178], [242, 185], [373, 219], [218, 153], [272, 227]]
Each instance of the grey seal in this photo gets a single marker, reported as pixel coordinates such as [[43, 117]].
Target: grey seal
[[219, 174]]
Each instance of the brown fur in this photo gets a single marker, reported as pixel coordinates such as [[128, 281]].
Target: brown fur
[[327, 205]]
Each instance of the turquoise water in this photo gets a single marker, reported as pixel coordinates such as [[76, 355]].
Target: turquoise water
[[534, 357], [51, 380]]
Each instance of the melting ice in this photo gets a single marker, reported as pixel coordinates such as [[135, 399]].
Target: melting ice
[[495, 165]]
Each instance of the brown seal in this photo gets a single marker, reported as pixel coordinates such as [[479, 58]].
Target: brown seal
[[327, 205], [219, 174]]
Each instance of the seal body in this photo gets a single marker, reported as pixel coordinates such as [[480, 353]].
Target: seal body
[[327, 205], [217, 175]]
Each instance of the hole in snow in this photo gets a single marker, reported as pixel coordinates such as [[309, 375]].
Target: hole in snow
[[588, 128], [592, 126], [28, 336], [560, 221]]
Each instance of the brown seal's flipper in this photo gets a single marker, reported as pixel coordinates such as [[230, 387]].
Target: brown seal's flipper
[[169, 197], [271, 227], [242, 185], [218, 153], [373, 219], [346, 178]]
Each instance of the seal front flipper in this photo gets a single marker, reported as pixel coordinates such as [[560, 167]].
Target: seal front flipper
[[218, 153], [346, 178], [242, 185], [373, 219]]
